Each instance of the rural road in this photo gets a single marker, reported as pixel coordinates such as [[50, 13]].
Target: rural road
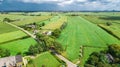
[[69, 63], [33, 36]]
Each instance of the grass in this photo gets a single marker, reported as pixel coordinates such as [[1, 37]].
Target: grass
[[82, 32], [86, 52], [31, 20], [55, 24], [45, 59], [101, 20], [5, 28], [12, 36], [53, 19], [21, 45]]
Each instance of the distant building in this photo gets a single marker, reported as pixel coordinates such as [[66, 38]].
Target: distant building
[[48, 33], [12, 61]]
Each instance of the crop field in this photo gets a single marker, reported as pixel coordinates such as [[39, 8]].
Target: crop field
[[5, 28], [12, 36], [82, 32], [45, 59], [31, 20], [55, 24], [114, 28], [20, 45], [53, 19], [22, 20]]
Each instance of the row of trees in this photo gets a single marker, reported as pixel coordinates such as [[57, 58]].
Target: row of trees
[[106, 58]]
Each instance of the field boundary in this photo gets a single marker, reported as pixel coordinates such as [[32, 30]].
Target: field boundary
[[110, 32]]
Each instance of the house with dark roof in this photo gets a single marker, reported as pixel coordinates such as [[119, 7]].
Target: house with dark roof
[[12, 61]]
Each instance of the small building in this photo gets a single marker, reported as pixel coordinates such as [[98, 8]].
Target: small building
[[47, 33], [12, 61]]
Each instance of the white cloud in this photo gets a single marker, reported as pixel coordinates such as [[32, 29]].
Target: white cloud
[[86, 4]]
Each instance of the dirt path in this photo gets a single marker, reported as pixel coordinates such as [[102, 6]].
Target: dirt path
[[69, 63], [33, 36]]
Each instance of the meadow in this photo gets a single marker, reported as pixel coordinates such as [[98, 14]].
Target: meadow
[[55, 24], [18, 46], [12, 36], [45, 59], [5, 28], [102, 21], [80, 32]]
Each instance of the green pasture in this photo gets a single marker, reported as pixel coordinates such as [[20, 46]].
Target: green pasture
[[53, 19], [12, 36], [5, 28], [45, 59], [31, 20], [20, 45], [56, 24], [102, 20], [82, 32]]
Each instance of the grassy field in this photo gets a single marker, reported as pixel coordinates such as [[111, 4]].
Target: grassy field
[[86, 52], [22, 20], [82, 32], [21, 45], [5, 28], [101, 20], [12, 36], [55, 24], [45, 59], [53, 19], [31, 20]]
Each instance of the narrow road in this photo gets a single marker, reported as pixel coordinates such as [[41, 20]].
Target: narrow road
[[69, 63], [33, 36]]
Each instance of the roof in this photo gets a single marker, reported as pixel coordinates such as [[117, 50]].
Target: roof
[[12, 60]]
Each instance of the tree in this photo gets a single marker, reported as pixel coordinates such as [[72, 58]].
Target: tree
[[6, 20], [31, 50], [108, 23], [4, 52], [56, 33]]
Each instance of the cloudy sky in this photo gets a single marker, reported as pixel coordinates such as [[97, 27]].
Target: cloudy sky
[[59, 5]]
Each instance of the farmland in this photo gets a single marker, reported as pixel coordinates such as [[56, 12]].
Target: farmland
[[23, 45], [12, 36], [85, 33], [5, 28], [45, 59], [82, 32], [55, 24], [102, 21]]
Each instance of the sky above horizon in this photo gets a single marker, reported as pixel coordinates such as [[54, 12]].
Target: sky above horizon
[[66, 5]]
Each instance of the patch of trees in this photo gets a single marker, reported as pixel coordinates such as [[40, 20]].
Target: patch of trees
[[74, 15], [35, 49], [9, 20], [105, 58], [56, 33], [4, 52], [63, 25], [108, 23], [45, 43]]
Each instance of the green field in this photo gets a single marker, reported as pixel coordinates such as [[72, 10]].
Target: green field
[[102, 20], [56, 24], [20, 45], [12, 36], [5, 28], [82, 32], [31, 20], [45, 59]]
